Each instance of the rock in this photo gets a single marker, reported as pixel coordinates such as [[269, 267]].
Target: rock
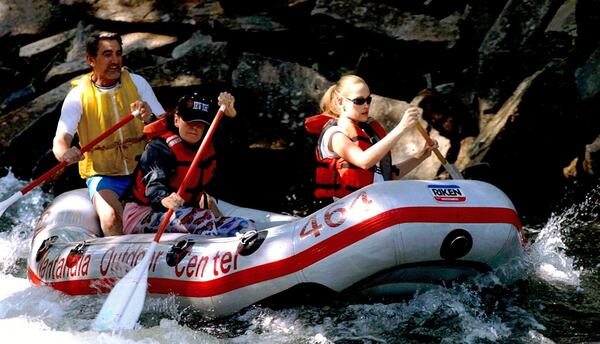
[[512, 49], [153, 12], [197, 39], [66, 70], [27, 17], [587, 15], [564, 19], [389, 21], [588, 77], [591, 162], [186, 71], [256, 23], [145, 40], [17, 97], [26, 126], [488, 133], [45, 44], [285, 91]]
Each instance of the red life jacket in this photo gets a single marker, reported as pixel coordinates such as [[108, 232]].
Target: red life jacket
[[336, 177], [184, 155]]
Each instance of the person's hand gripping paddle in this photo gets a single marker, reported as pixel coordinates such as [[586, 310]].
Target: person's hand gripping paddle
[[449, 167]]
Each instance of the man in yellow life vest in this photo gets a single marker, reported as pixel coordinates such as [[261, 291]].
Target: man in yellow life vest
[[97, 101]]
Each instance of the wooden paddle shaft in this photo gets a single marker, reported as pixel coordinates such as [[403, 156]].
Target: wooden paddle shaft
[[430, 142]]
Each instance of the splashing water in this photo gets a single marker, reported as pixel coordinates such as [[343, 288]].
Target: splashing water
[[17, 223], [549, 251], [487, 309]]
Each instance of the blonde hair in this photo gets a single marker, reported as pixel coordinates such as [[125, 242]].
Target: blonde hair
[[330, 98]]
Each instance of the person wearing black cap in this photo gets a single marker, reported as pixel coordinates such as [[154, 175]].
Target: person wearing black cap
[[162, 168]]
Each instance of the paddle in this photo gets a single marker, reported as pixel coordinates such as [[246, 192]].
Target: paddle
[[449, 167], [17, 195], [124, 304]]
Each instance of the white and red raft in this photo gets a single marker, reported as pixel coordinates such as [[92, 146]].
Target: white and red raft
[[389, 237]]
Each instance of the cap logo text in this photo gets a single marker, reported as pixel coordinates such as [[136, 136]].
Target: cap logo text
[[200, 106]]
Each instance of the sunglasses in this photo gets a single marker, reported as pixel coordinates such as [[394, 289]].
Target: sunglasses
[[360, 100]]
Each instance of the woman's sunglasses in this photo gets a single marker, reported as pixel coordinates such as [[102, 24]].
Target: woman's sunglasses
[[359, 100]]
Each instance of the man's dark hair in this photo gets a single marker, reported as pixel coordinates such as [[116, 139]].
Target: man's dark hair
[[91, 46]]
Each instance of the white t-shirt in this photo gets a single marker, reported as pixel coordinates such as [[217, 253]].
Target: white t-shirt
[[72, 108], [328, 153]]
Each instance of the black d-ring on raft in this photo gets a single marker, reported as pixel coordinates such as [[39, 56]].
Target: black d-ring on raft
[[179, 251], [251, 241], [76, 253], [44, 247], [456, 244]]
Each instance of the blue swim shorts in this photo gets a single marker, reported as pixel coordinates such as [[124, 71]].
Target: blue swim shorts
[[118, 184]]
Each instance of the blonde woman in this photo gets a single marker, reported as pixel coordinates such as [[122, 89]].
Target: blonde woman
[[353, 149]]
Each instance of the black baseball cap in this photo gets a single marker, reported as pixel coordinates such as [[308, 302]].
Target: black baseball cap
[[196, 108]]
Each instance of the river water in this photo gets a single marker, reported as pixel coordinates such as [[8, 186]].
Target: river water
[[556, 300]]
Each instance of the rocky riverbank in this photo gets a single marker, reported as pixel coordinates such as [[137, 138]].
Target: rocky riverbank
[[510, 88]]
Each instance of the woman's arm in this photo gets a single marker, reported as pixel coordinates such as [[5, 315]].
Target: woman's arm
[[343, 146]]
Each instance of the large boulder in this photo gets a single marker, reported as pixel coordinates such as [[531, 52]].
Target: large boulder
[[512, 49], [27, 17], [30, 129], [390, 21]]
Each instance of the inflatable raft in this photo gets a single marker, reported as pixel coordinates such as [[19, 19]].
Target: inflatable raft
[[388, 237]]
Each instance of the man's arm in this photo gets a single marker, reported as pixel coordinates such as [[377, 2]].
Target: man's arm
[[147, 94], [61, 147]]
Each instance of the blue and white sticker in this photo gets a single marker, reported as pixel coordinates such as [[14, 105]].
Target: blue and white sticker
[[447, 193]]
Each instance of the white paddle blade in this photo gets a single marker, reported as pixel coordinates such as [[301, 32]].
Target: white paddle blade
[[124, 304], [8, 202]]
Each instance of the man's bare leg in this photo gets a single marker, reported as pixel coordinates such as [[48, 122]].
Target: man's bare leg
[[110, 211]]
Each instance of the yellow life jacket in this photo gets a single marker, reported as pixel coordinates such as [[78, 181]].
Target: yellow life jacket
[[115, 155]]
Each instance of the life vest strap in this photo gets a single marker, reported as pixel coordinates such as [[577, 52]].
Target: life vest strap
[[116, 144]]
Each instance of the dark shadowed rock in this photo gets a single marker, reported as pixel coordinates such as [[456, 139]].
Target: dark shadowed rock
[[285, 89], [29, 121], [279, 56], [591, 163], [528, 142], [256, 23], [588, 77], [74, 62], [205, 63], [512, 49], [389, 21], [244, 7], [479, 18], [587, 14], [495, 125]]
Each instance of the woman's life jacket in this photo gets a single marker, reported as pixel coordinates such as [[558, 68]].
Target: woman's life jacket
[[336, 177], [165, 163]]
